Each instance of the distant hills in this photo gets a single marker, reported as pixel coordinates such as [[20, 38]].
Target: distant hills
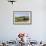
[[21, 18]]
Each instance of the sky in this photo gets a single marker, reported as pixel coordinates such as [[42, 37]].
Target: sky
[[22, 14]]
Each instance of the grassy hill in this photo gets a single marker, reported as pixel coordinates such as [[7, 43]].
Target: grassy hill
[[21, 18]]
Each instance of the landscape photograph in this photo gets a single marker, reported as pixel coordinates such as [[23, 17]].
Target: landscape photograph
[[22, 17]]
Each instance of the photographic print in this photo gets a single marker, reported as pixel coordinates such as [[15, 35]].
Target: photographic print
[[22, 17]]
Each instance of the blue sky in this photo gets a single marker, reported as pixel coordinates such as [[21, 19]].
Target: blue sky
[[22, 14]]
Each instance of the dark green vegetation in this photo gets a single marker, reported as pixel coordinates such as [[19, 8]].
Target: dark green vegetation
[[21, 18]]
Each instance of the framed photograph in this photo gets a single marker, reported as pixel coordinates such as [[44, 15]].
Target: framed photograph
[[22, 17]]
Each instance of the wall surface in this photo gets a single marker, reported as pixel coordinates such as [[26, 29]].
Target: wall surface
[[9, 31]]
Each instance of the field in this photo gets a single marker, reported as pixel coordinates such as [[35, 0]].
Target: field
[[22, 19]]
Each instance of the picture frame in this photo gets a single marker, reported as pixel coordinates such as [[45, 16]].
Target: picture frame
[[22, 17]]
